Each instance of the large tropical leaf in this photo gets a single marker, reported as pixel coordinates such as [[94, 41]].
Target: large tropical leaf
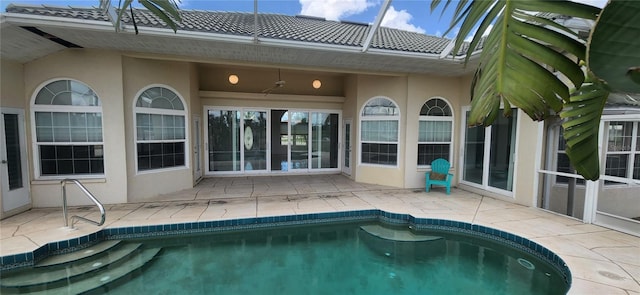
[[614, 47], [166, 10], [521, 55], [581, 116]]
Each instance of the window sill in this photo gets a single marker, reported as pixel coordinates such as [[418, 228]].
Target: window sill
[[49, 181], [161, 170]]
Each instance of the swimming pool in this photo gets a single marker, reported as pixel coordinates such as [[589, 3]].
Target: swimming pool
[[354, 256]]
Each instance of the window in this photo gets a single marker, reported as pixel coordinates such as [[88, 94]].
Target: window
[[379, 132], [435, 132], [160, 129], [562, 161], [68, 130], [623, 150]]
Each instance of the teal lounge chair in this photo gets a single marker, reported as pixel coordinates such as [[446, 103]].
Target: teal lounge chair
[[439, 175]]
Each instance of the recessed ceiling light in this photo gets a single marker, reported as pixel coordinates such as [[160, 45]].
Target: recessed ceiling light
[[316, 84], [233, 79]]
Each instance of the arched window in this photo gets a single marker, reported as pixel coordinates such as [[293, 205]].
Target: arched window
[[67, 118], [379, 132], [160, 129], [435, 132]]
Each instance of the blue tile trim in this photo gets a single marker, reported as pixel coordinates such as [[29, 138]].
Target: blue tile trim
[[61, 247]]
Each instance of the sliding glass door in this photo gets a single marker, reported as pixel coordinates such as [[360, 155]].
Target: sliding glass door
[[237, 140], [488, 157], [250, 141]]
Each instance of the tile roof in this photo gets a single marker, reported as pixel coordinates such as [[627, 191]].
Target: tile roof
[[272, 26]]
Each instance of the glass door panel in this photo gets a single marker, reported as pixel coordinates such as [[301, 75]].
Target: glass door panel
[[299, 140], [224, 140], [255, 140], [474, 154], [502, 149], [279, 140], [324, 140], [346, 167]]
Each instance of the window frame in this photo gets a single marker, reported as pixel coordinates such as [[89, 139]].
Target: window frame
[[363, 118], [450, 119], [633, 151], [159, 111], [53, 108]]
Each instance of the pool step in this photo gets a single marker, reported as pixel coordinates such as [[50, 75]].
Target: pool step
[[396, 234], [78, 255], [77, 276]]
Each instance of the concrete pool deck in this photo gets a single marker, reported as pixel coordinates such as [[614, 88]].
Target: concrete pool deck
[[602, 261]]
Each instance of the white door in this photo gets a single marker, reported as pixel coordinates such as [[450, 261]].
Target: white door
[[13, 157], [346, 165], [197, 143]]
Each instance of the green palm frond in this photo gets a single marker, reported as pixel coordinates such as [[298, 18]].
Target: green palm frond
[[614, 46], [581, 115], [167, 10], [521, 55]]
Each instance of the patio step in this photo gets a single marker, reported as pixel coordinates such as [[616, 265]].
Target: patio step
[[82, 275]]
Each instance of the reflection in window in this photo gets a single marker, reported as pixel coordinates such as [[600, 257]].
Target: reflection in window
[[379, 132], [623, 150], [224, 140], [67, 116], [160, 129], [562, 161], [435, 131], [324, 150], [255, 140]]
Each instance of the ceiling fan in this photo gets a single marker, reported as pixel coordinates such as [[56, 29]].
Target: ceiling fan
[[278, 84]]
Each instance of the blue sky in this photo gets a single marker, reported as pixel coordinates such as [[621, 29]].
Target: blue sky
[[410, 15]]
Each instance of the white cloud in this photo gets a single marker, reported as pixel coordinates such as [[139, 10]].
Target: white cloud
[[400, 20], [335, 9]]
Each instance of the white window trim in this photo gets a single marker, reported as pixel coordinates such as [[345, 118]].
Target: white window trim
[[158, 111], [362, 118], [635, 132], [441, 119], [62, 109]]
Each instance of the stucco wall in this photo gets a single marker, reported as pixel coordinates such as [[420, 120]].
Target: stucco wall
[[12, 85], [420, 89], [102, 71], [138, 75], [394, 88], [525, 176]]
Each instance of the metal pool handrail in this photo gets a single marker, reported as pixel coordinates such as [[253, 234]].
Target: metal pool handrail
[[89, 195]]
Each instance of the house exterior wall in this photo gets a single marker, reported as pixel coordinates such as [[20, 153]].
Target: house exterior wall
[[118, 80], [138, 75], [525, 177], [420, 89], [102, 71], [394, 88], [12, 85]]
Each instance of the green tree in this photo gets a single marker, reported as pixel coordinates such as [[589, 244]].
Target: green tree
[[542, 67]]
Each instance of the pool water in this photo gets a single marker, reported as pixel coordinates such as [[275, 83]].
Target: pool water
[[337, 259]]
